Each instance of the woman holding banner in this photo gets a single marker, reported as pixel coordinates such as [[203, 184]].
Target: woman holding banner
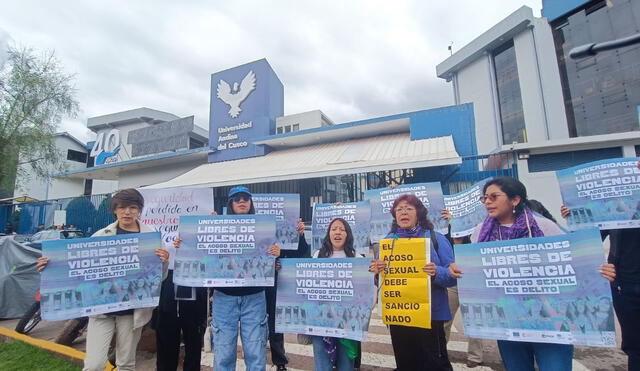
[[328, 351], [509, 217], [419, 348], [126, 325]]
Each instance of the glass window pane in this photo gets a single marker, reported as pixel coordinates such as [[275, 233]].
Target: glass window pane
[[509, 98]]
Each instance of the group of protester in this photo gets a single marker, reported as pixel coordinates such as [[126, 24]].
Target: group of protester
[[249, 311]]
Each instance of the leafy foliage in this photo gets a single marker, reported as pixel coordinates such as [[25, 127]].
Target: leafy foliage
[[35, 94]]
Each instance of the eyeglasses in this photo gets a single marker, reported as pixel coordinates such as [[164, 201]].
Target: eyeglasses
[[492, 197], [238, 198], [405, 209]]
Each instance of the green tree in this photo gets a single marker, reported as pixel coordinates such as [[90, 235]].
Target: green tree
[[35, 94]]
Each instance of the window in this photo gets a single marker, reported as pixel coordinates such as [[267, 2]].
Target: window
[[296, 127], [563, 160], [279, 130], [601, 93], [509, 98], [76, 156], [194, 143], [88, 186], [287, 129]]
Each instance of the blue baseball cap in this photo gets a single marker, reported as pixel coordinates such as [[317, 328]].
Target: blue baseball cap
[[239, 189]]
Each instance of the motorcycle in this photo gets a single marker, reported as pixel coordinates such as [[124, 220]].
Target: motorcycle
[[31, 318], [71, 330]]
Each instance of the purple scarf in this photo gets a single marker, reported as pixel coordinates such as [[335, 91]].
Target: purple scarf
[[415, 232], [492, 230]]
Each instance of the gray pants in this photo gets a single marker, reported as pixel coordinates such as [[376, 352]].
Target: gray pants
[[474, 352], [99, 333]]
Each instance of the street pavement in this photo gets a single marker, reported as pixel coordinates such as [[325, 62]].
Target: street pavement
[[377, 351]]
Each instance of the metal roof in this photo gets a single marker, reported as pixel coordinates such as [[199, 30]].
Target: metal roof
[[351, 130], [112, 171], [386, 152]]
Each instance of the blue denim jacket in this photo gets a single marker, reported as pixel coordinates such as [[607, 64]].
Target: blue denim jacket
[[443, 258]]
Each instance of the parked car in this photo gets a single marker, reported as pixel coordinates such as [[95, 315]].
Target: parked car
[[53, 234]]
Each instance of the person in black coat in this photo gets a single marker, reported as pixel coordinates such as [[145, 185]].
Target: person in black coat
[[276, 340]]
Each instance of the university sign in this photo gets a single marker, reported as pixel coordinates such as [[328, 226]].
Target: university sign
[[245, 102], [106, 147]]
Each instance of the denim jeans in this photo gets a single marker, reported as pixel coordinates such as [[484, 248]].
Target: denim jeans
[[321, 358], [249, 311], [520, 355]]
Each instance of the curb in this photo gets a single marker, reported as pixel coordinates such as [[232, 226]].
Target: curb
[[64, 351]]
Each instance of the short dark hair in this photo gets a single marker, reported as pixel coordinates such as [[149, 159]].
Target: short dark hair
[[126, 197], [421, 211]]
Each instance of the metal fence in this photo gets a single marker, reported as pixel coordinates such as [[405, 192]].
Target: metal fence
[[90, 213], [87, 213]]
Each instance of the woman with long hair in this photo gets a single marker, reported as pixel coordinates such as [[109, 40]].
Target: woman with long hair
[[328, 351], [419, 348], [509, 217]]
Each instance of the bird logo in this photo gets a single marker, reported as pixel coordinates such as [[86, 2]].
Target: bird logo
[[234, 97]]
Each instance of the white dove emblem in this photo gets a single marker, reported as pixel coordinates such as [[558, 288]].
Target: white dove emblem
[[233, 97]]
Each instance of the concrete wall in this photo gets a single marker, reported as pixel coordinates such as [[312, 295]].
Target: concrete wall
[[550, 80], [43, 189], [540, 88], [104, 186], [152, 175], [475, 86], [306, 120], [544, 187]]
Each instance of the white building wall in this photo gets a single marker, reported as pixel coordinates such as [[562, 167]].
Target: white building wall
[[65, 188], [99, 187], [305, 120], [475, 86], [530, 86], [550, 80], [152, 175], [544, 187], [44, 189]]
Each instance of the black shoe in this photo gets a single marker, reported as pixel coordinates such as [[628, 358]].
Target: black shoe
[[281, 368]]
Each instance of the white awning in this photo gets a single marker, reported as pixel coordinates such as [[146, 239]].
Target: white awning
[[387, 152]]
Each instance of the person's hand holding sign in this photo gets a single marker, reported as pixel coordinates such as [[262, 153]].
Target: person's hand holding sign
[[377, 266], [454, 271], [42, 263], [274, 250], [163, 254], [430, 269]]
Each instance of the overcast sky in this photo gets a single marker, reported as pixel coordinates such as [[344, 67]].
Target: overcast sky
[[351, 59]]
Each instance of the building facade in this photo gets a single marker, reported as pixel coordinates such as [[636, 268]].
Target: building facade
[[139, 147], [74, 154], [532, 99]]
